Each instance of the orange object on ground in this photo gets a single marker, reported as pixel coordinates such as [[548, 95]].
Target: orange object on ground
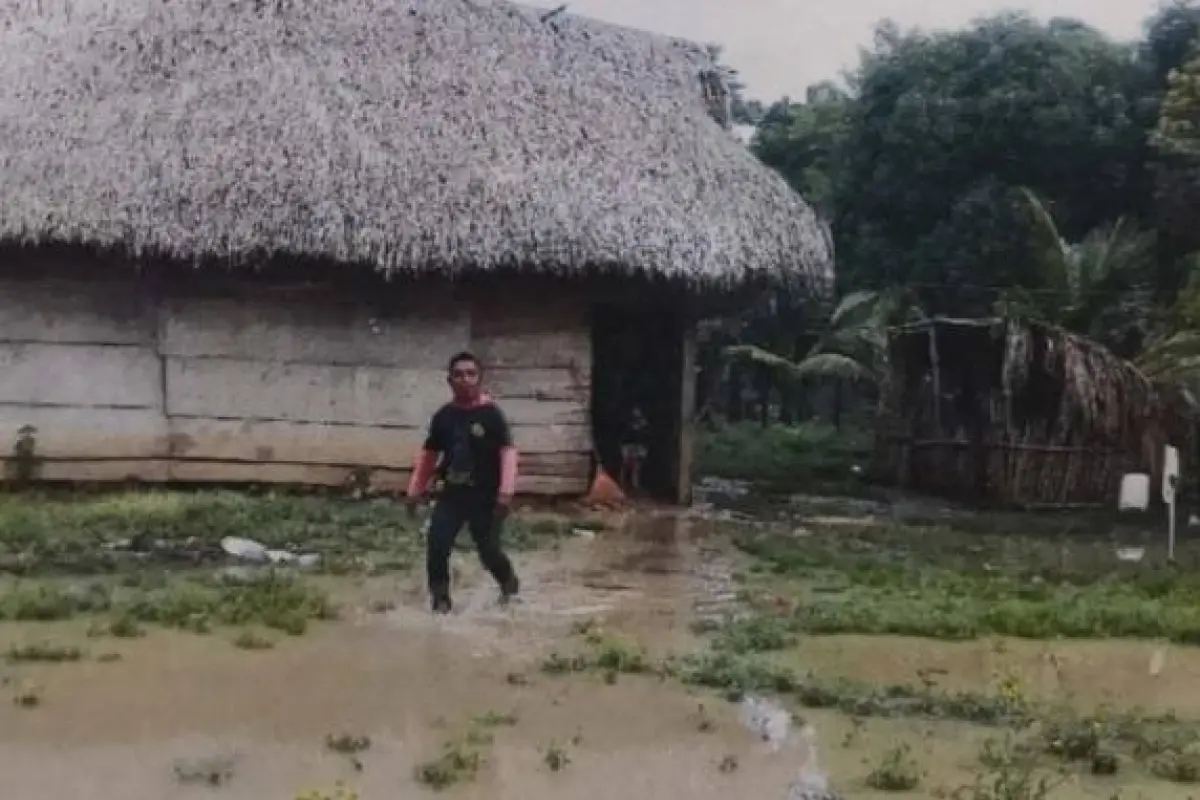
[[604, 491]]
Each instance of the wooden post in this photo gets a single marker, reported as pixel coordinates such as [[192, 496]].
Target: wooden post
[[687, 413], [935, 369]]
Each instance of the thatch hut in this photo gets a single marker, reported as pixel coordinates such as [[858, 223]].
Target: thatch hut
[[239, 239], [1021, 413]]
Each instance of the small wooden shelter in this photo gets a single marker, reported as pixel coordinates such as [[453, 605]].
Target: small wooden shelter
[[1021, 413], [239, 240]]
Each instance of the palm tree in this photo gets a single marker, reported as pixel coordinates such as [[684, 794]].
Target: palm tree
[[1173, 353], [853, 349], [1098, 287]]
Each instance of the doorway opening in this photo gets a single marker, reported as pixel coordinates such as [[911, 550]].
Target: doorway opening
[[637, 362]]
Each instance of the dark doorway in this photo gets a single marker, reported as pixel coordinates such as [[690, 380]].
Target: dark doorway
[[637, 360]]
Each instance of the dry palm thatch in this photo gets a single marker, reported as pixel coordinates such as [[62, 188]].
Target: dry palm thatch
[[411, 135], [1026, 412]]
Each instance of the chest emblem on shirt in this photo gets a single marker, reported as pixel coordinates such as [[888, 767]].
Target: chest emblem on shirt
[[476, 430]]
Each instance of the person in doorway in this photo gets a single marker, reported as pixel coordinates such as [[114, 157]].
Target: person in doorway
[[469, 448], [633, 451]]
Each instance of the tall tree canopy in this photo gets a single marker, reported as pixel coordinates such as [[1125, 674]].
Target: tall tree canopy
[[1012, 166], [944, 126]]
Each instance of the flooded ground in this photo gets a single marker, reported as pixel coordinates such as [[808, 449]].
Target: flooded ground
[[156, 716], [403, 678]]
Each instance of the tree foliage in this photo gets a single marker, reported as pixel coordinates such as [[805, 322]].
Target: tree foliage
[[945, 125], [1012, 166]]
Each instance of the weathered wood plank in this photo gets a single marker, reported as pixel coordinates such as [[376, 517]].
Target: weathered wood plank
[[101, 312], [162, 471], [102, 433], [525, 411], [305, 443], [550, 464], [145, 470], [352, 395], [539, 384], [527, 484], [99, 433], [283, 330], [236, 472], [248, 440], [311, 475], [685, 462], [527, 331], [569, 349], [211, 387], [553, 438], [80, 375]]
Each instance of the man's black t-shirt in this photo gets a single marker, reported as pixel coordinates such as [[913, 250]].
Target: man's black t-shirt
[[469, 441]]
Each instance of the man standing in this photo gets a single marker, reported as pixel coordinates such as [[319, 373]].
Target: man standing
[[470, 448], [633, 452]]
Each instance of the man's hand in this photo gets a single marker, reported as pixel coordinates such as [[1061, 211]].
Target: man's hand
[[411, 502], [503, 505]]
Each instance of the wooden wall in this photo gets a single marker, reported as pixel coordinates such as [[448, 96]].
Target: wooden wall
[[281, 386]]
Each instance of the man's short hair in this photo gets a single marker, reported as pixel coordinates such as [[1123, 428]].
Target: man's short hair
[[462, 356]]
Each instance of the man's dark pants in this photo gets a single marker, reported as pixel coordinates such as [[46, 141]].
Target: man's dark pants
[[480, 514]]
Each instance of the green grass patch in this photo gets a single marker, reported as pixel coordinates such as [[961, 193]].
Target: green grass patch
[[945, 584], [70, 533], [784, 456], [44, 652], [194, 602]]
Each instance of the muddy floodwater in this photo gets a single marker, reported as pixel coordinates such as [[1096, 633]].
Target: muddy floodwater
[[136, 717]]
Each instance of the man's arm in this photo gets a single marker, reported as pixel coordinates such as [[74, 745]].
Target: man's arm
[[508, 457], [426, 461]]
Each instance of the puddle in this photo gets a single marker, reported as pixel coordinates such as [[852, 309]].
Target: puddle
[[406, 679], [124, 725], [411, 681]]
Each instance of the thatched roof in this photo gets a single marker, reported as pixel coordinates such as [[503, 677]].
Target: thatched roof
[[405, 134], [1056, 387], [1057, 417]]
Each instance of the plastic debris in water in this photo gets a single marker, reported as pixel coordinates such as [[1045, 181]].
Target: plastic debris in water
[[245, 549], [1158, 659], [1133, 554], [811, 783], [767, 720], [255, 553]]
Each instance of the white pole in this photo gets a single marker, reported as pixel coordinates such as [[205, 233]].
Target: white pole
[[1171, 530]]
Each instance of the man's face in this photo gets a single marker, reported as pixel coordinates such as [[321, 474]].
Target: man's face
[[464, 380]]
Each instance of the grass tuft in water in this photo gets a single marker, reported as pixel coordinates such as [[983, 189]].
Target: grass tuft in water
[[253, 640], [898, 771], [347, 744], [339, 792], [1011, 772], [1178, 766], [45, 652], [28, 695], [461, 758], [555, 757], [458, 762], [210, 770]]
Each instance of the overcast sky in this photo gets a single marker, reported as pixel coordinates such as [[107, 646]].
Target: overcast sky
[[782, 46]]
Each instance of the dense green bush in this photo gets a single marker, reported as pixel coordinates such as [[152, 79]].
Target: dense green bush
[[784, 456]]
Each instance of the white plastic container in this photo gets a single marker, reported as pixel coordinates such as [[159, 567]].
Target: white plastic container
[[1135, 492]]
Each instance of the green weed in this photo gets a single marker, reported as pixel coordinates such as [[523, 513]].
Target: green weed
[[898, 771], [783, 456], [46, 652]]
